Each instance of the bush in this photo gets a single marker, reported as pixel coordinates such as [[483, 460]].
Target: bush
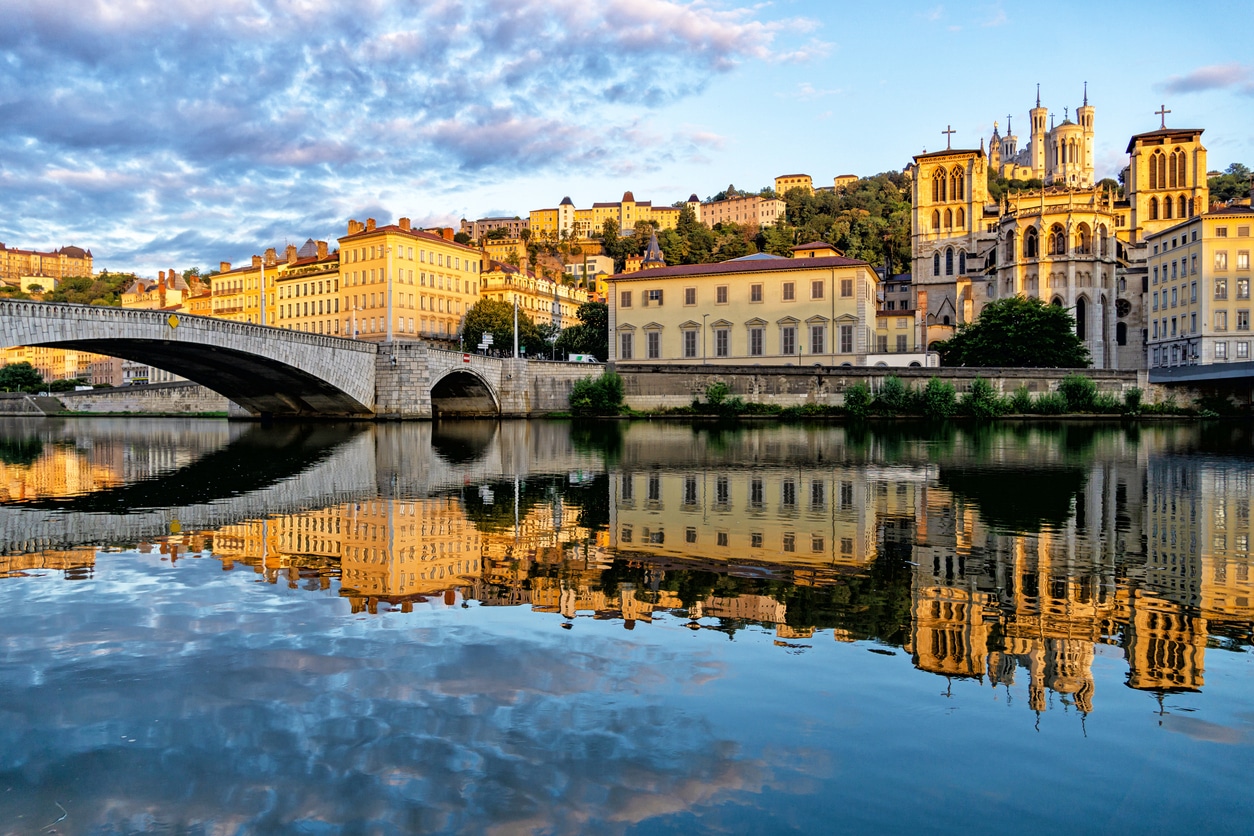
[[1107, 404], [1079, 391], [716, 393], [938, 399], [894, 397], [981, 401], [858, 400], [1132, 401], [1021, 401], [597, 395], [1050, 403]]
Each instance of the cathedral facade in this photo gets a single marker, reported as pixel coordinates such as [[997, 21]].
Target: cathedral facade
[[1065, 238]]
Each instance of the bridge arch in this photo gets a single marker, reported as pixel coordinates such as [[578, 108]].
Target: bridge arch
[[464, 392], [267, 371]]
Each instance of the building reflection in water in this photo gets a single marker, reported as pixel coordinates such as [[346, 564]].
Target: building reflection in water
[[991, 557]]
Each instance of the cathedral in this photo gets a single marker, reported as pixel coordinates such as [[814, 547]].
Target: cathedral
[[1062, 236]]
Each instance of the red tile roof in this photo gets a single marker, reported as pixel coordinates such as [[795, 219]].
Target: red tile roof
[[775, 265]]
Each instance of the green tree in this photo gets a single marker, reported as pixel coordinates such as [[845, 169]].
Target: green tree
[[462, 238], [102, 289], [591, 335], [20, 377], [1017, 332], [492, 316], [1234, 182]]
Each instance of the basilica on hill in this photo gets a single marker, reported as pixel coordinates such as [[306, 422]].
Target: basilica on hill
[[1062, 237]]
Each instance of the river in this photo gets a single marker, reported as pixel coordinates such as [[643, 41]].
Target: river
[[647, 627]]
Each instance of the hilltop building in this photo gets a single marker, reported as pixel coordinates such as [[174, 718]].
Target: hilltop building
[[17, 265]]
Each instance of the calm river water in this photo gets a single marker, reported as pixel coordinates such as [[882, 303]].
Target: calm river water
[[640, 628]]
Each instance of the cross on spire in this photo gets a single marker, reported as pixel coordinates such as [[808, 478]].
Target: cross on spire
[[949, 135], [1163, 111]]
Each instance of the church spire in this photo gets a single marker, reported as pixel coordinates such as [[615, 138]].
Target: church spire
[[1086, 94], [1038, 94]]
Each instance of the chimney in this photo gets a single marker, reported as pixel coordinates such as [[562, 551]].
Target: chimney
[[290, 252], [256, 261], [322, 249], [405, 225], [370, 224], [272, 257], [354, 226], [447, 232], [161, 278]]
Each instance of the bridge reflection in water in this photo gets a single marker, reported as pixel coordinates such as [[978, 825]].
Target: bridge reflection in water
[[986, 553]]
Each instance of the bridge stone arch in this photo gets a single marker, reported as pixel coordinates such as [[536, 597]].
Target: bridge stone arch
[[267, 371], [465, 392]]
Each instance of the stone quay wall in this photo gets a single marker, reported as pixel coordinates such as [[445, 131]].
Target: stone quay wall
[[156, 399], [656, 387]]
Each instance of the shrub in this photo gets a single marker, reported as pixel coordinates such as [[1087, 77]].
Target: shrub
[[1107, 404], [1050, 403], [981, 401], [858, 400], [716, 392], [938, 399], [1079, 392], [1021, 401], [597, 395], [1132, 401], [894, 397]]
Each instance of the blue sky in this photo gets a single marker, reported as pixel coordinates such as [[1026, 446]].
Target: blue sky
[[182, 133]]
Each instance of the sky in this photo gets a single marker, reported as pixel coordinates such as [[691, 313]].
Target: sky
[[181, 133]]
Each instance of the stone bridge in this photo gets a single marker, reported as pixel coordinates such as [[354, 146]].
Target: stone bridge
[[276, 372]]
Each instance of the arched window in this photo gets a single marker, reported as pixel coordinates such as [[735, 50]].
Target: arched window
[[938, 186], [945, 319], [1081, 310], [1101, 239], [962, 217], [1057, 241], [1167, 205], [1192, 208], [1057, 303], [936, 264], [949, 219], [962, 262], [949, 261], [1010, 247], [1171, 171], [936, 219], [957, 185], [1156, 159], [1178, 163], [1153, 208], [1083, 240], [1184, 206], [1031, 246]]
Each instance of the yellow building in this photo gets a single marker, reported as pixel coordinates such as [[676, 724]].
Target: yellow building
[[544, 300], [753, 210], [787, 182], [169, 290], [307, 285], [397, 282], [16, 264], [1199, 289], [238, 293], [759, 309], [568, 221], [65, 364]]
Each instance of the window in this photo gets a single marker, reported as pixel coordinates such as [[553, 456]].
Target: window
[[846, 495], [788, 493], [722, 490], [789, 291], [690, 344], [936, 264], [1221, 320], [902, 342], [624, 299], [1243, 288], [1192, 323], [624, 346], [1193, 292], [846, 288], [1173, 297], [653, 297], [690, 490], [653, 344], [690, 535], [655, 487], [949, 261], [1243, 350], [1221, 288], [756, 336], [816, 290], [817, 339], [1031, 244], [755, 540], [721, 538], [1221, 351], [790, 542], [881, 343], [816, 543], [1243, 320], [757, 494], [962, 262], [1243, 260], [788, 339], [690, 296], [1221, 232], [722, 342], [755, 293], [720, 295], [846, 339], [1221, 259], [936, 219]]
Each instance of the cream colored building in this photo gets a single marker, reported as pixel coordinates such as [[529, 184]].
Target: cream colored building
[[1199, 290], [307, 288], [753, 210], [543, 300], [787, 182], [760, 309], [397, 282], [17, 265], [567, 221]]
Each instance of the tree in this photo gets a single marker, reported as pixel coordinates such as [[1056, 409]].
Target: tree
[[591, 336], [462, 238], [35, 288], [1234, 182], [1017, 332], [495, 317], [20, 377]]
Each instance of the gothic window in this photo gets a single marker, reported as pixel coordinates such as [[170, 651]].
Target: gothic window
[[1031, 247], [1168, 203], [1181, 180], [1171, 171], [962, 217], [1101, 240], [962, 262], [938, 186], [1183, 208], [1081, 306], [1153, 208], [957, 186], [936, 264], [936, 219], [949, 219], [1010, 248], [949, 261], [1083, 240], [1157, 162], [1057, 241]]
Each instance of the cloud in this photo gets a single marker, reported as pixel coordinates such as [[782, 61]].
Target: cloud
[[807, 92], [1233, 76], [121, 119]]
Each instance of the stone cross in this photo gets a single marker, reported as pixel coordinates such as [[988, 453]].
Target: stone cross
[[1163, 111], [949, 135]]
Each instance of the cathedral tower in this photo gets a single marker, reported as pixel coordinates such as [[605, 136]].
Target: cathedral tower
[[1036, 141]]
